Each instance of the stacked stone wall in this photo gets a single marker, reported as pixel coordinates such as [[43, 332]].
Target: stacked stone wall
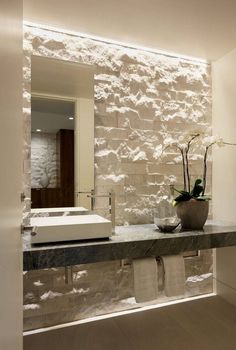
[[141, 100]]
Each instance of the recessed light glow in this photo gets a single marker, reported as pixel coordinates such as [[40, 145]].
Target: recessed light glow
[[38, 130], [115, 42], [71, 118]]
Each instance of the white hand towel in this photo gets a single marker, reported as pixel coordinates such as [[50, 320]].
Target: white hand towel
[[145, 279], [174, 275]]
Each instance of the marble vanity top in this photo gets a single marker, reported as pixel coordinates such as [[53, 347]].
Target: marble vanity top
[[129, 242]]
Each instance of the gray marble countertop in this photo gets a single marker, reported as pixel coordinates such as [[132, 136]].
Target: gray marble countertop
[[129, 242]]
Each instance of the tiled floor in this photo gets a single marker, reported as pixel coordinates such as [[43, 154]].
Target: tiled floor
[[206, 324]]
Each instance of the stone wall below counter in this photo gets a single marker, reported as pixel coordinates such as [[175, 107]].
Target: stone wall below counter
[[98, 289]]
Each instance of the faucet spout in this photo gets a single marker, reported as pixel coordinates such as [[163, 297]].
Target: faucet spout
[[111, 196]]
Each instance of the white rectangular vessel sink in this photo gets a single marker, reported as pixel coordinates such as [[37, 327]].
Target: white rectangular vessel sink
[[59, 211], [68, 228]]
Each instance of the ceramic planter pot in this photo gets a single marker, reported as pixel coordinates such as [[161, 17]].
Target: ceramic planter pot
[[193, 214]]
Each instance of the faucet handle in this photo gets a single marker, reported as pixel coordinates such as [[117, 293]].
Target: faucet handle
[[111, 196], [85, 192], [89, 194]]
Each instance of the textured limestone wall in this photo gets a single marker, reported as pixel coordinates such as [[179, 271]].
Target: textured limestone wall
[[141, 100], [96, 289], [43, 160]]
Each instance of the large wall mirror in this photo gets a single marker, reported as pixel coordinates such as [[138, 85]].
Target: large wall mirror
[[62, 133]]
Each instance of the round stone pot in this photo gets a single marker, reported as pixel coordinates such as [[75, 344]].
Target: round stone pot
[[193, 214]]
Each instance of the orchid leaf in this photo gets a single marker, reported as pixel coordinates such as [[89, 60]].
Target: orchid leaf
[[204, 198], [196, 194], [185, 196], [197, 189]]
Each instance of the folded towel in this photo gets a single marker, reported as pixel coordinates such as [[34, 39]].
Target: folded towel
[[174, 275], [145, 279]]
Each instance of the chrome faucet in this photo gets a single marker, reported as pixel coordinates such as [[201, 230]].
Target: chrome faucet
[[111, 196], [91, 193]]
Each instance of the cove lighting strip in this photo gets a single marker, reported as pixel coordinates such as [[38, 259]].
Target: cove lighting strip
[[118, 313], [114, 42]]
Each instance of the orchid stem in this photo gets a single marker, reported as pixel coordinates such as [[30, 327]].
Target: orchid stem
[[184, 167], [205, 171], [187, 164], [205, 167]]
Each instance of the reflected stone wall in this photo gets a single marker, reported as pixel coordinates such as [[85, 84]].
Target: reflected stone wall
[[44, 167]]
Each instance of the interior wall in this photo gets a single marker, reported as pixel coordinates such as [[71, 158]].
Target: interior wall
[[141, 100], [224, 124], [224, 167], [11, 175]]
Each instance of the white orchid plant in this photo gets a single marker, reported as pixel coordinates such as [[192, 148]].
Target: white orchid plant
[[184, 144]]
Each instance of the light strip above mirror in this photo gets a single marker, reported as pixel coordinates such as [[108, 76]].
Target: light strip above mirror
[[115, 42]]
